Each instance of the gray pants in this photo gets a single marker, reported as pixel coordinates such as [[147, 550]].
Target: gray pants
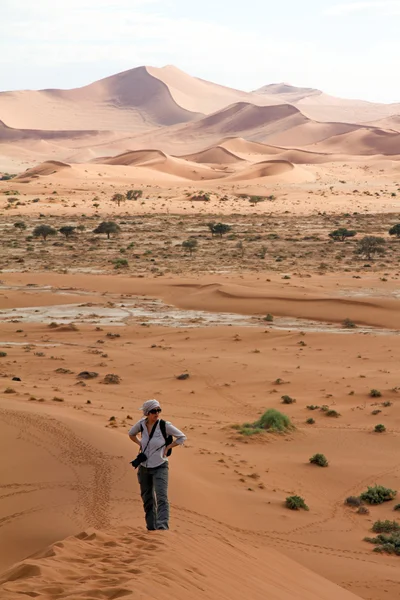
[[154, 492]]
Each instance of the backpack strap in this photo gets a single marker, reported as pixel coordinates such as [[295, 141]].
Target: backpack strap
[[168, 438]]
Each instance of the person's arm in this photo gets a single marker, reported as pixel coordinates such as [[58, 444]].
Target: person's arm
[[179, 436], [133, 433]]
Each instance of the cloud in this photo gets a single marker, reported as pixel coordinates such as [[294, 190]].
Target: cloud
[[383, 7]]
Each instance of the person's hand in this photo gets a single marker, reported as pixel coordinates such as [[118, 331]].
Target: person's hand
[[165, 451]]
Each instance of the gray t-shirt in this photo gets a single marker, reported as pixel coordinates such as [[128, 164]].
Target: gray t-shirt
[[155, 448]]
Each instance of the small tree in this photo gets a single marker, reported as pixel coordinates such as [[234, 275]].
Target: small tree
[[370, 245], [341, 234], [44, 231], [67, 230], [118, 198], [107, 227], [395, 230], [20, 225], [220, 229], [190, 245], [134, 194]]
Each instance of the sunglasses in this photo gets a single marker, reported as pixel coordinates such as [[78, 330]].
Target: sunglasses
[[154, 411]]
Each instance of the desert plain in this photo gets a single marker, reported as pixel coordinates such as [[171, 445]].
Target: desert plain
[[219, 324]]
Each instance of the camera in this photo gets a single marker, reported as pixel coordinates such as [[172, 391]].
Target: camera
[[139, 460]]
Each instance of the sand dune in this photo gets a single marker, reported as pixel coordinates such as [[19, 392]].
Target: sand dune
[[363, 142], [195, 565], [132, 158], [162, 163], [215, 154], [200, 96], [133, 100], [50, 167], [287, 92]]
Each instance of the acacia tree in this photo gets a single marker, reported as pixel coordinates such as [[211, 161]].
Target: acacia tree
[[370, 245], [134, 194], [107, 227], [220, 229], [44, 231], [118, 198], [20, 225], [67, 230], [395, 230], [341, 234]]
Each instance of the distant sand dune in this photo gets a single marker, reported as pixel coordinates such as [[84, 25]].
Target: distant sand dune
[[215, 154]]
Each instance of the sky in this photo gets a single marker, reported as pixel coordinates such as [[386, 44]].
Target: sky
[[347, 49]]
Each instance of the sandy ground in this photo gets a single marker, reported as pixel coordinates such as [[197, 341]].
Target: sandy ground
[[69, 465]]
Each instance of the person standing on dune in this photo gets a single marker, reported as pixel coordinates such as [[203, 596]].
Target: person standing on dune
[[156, 443]]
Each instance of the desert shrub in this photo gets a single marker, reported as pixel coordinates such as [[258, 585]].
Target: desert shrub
[[386, 543], [312, 407], [20, 225], [395, 230], [385, 526], [273, 420], [134, 194], [397, 507], [190, 245], [111, 378], [353, 501], [296, 503], [3, 354], [378, 494], [310, 421], [288, 400], [269, 318], [332, 413], [348, 324], [320, 460], [363, 510], [387, 404], [370, 245], [375, 394], [248, 429], [120, 263], [380, 428]]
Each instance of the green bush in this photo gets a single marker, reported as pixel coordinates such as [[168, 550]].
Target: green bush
[[397, 507], [273, 420], [3, 354], [310, 421], [388, 544], [288, 400], [375, 394], [385, 526], [312, 407], [380, 428], [378, 495], [320, 460], [296, 503], [332, 413]]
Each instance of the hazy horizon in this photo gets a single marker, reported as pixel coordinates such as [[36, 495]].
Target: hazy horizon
[[333, 46]]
